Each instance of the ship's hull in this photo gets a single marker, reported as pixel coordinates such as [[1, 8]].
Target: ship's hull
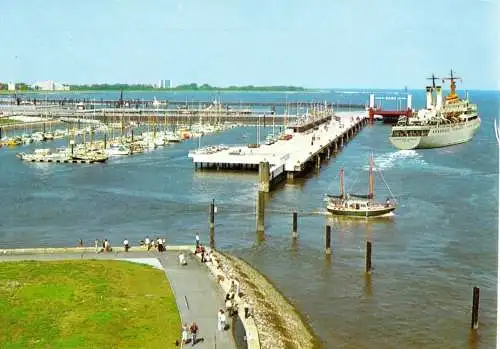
[[373, 212], [438, 136]]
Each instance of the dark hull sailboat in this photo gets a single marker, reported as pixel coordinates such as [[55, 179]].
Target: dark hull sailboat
[[356, 205]]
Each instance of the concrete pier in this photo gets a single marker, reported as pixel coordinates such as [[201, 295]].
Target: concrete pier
[[301, 148]]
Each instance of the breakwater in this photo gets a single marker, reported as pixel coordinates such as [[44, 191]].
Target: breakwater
[[279, 324]]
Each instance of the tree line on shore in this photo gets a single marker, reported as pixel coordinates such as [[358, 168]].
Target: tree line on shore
[[148, 87]]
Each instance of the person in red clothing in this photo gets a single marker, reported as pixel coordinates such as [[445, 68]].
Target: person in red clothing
[[194, 332]]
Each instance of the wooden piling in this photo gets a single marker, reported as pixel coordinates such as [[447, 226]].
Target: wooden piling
[[1, 131], [475, 309], [264, 177], [328, 248], [105, 140], [212, 224], [260, 211], [368, 268], [294, 225]]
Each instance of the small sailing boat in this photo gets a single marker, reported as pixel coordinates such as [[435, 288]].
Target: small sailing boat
[[356, 205], [497, 131]]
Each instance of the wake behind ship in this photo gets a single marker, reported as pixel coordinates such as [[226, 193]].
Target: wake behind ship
[[440, 124]]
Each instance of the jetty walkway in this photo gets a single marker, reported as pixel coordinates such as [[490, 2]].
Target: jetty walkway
[[198, 294], [304, 145]]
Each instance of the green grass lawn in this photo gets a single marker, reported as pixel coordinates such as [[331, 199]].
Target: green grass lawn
[[86, 304], [7, 121]]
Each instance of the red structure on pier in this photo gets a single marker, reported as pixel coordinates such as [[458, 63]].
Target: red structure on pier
[[387, 116]]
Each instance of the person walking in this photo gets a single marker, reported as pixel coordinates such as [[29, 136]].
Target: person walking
[[197, 240], [106, 246], [126, 245], [246, 307], [185, 334], [96, 243], [221, 320], [194, 332]]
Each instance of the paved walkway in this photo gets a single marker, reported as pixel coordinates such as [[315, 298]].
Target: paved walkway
[[197, 294]]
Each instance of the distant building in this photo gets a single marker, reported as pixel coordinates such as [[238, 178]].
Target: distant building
[[163, 84], [50, 85], [11, 86]]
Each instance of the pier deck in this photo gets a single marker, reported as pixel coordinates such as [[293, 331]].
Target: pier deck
[[290, 156]]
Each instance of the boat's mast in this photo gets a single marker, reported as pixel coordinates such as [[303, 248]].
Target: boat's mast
[[370, 180], [342, 190]]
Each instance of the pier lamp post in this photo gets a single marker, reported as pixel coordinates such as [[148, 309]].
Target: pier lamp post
[[72, 145]]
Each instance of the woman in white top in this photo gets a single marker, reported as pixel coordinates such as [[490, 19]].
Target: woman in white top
[[185, 333], [221, 317]]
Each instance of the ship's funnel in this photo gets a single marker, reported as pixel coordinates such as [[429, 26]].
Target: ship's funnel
[[409, 102], [372, 101], [439, 97], [428, 91]]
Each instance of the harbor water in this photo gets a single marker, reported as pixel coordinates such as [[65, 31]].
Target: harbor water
[[427, 258]]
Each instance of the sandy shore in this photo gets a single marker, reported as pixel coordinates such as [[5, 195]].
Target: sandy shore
[[278, 323]]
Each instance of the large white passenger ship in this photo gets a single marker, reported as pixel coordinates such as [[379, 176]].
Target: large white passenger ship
[[440, 124]]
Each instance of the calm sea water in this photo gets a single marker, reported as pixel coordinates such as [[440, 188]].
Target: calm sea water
[[441, 243]]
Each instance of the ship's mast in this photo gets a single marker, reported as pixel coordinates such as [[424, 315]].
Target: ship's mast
[[433, 78], [342, 190], [453, 85], [371, 180]]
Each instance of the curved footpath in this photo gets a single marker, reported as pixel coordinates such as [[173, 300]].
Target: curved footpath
[[273, 324]]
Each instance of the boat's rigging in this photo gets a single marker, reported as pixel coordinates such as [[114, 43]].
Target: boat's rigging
[[386, 185]]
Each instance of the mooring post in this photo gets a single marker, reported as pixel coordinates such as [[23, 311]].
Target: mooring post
[[475, 309], [264, 177], [368, 268], [1, 131], [328, 248], [260, 211], [132, 134], [105, 140], [212, 224], [294, 225]]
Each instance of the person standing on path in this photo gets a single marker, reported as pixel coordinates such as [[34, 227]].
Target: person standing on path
[[160, 245], [221, 320], [246, 307], [126, 245], [96, 243], [197, 240], [194, 332], [185, 334]]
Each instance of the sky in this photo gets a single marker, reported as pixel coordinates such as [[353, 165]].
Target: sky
[[314, 44]]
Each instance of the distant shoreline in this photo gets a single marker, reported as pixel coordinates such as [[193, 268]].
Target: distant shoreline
[[3, 92]]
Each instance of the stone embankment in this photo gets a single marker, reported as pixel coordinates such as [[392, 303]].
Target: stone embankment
[[278, 324]]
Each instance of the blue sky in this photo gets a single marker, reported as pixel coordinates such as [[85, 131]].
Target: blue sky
[[323, 44]]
